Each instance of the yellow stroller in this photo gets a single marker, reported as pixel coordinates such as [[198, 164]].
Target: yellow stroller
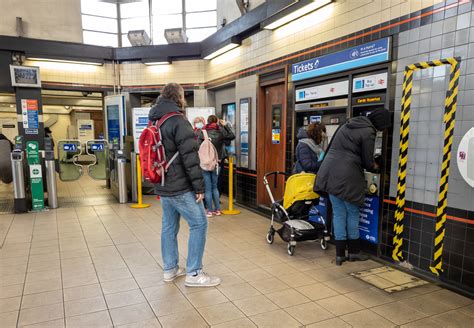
[[293, 212]]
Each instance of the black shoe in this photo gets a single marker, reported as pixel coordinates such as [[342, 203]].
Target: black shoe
[[340, 251], [340, 260], [353, 246]]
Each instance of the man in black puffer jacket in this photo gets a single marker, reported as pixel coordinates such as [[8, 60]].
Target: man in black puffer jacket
[[182, 193], [341, 175]]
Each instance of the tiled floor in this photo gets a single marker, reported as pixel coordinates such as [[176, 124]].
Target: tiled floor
[[99, 266]]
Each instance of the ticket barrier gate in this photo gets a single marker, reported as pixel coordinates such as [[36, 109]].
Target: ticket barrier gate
[[70, 168], [118, 180], [68, 153], [99, 151]]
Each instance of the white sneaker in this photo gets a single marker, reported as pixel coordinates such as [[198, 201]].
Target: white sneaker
[[201, 279], [171, 275]]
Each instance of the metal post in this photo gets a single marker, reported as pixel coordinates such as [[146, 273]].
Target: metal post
[[19, 193], [121, 178], [134, 177], [231, 210], [51, 185], [139, 186]]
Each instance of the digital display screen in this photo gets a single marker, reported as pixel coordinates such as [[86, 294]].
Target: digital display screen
[[113, 123], [25, 76]]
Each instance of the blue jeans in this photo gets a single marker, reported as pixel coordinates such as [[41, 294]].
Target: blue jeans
[[345, 219], [211, 192], [173, 208]]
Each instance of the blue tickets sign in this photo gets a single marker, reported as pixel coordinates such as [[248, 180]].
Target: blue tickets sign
[[97, 147], [70, 147], [363, 55], [369, 219]]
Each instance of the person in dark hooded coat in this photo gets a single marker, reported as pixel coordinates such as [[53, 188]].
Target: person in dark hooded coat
[[341, 175], [309, 150]]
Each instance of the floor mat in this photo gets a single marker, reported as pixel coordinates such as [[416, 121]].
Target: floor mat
[[389, 279], [6, 206]]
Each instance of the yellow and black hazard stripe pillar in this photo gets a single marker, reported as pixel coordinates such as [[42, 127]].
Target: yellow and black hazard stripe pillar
[[402, 164], [449, 121]]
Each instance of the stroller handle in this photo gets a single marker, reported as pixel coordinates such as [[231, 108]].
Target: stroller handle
[[276, 173]]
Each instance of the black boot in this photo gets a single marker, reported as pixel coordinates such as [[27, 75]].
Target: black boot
[[340, 251], [354, 251]]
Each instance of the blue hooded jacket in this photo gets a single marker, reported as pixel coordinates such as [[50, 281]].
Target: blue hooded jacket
[[308, 154]]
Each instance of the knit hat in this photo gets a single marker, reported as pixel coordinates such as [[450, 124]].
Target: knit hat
[[380, 118]]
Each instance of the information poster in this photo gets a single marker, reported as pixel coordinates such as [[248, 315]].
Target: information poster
[[369, 219], [140, 122], [85, 129], [244, 132], [29, 111], [276, 136], [193, 112]]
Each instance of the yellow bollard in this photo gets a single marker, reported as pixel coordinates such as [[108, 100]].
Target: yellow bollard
[[231, 210], [139, 187]]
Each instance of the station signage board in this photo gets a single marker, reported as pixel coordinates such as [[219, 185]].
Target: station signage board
[[369, 100], [322, 105], [323, 91], [369, 83], [359, 56]]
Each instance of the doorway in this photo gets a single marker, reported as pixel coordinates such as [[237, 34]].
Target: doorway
[[271, 142]]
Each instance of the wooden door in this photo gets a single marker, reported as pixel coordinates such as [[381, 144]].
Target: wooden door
[[98, 118], [272, 140]]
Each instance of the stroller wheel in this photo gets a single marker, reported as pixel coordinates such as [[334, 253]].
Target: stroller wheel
[[323, 243], [270, 237], [291, 250]]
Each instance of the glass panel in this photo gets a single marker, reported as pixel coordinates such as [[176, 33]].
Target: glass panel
[[199, 34], [99, 150], [125, 42], [100, 39], [160, 23], [99, 24], [99, 8], [134, 9], [276, 116], [161, 7], [205, 19], [68, 150], [201, 5], [139, 23]]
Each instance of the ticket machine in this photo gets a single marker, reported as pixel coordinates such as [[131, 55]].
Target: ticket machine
[[369, 93]]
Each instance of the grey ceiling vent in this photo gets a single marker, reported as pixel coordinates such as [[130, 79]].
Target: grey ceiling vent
[[138, 38], [175, 35]]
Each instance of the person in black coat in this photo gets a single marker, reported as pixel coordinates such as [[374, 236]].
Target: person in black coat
[[341, 175], [183, 191], [309, 150]]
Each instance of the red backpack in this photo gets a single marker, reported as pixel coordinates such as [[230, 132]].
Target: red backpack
[[152, 152]]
